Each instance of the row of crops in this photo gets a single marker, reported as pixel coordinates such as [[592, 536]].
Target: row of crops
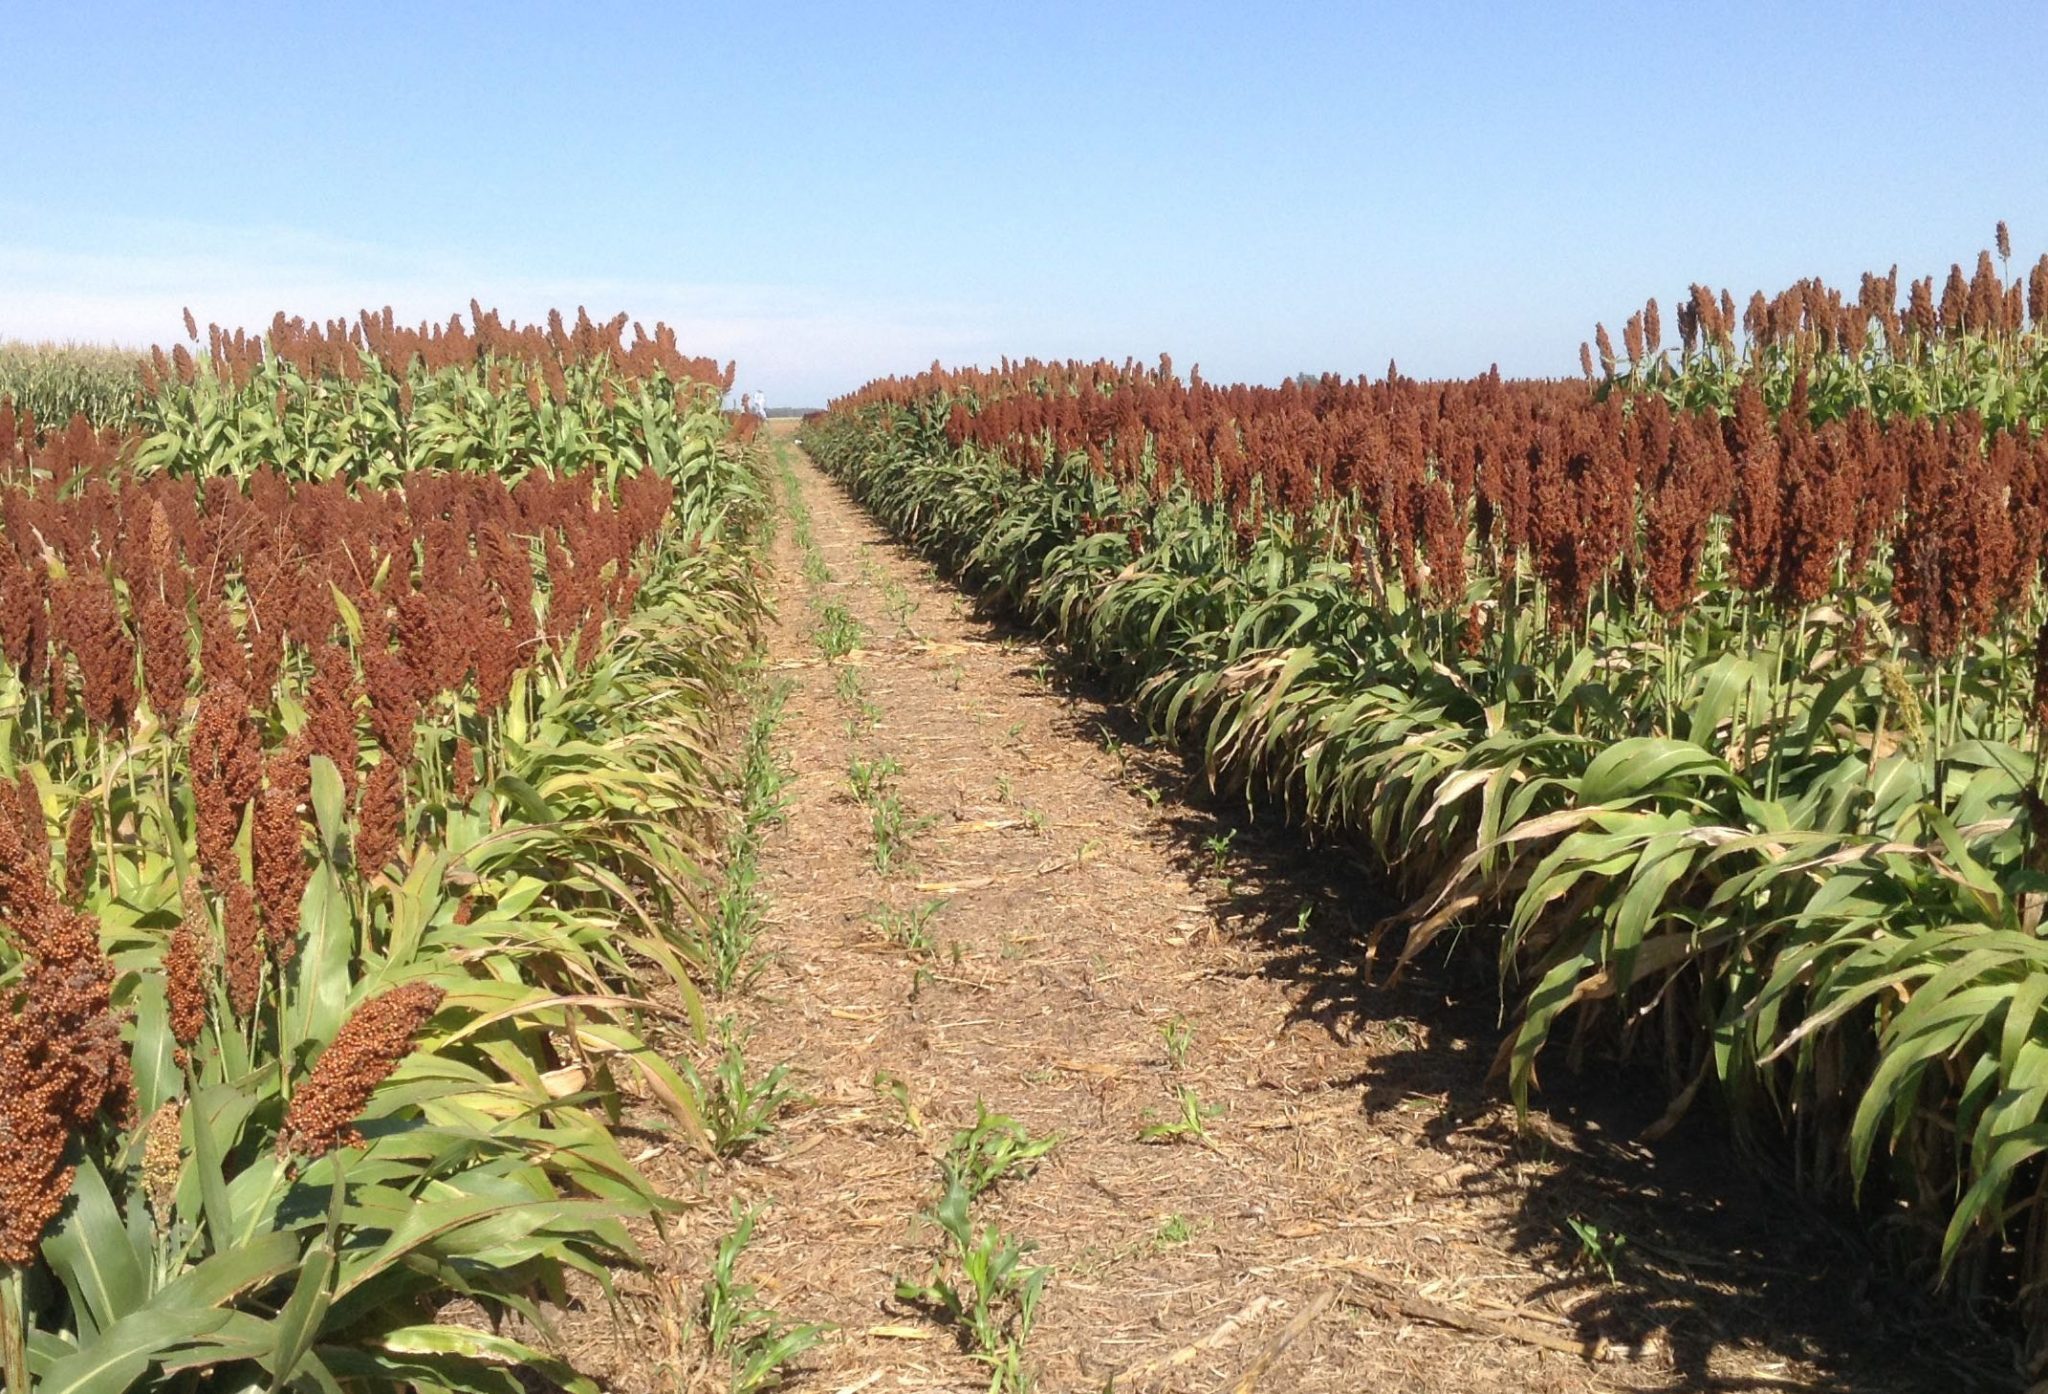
[[55, 382], [359, 784], [1707, 694]]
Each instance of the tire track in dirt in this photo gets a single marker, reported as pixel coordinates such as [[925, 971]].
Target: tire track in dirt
[[1363, 1214]]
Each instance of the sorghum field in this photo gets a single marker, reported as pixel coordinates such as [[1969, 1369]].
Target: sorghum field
[[357, 728], [509, 881], [1706, 696]]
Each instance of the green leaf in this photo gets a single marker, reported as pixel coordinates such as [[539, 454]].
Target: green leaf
[[94, 1254], [330, 812], [154, 1055], [481, 1345], [525, 797], [212, 1124], [119, 1356], [298, 1325], [323, 972], [1642, 764]]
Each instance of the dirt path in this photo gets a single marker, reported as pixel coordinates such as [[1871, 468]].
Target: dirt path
[[1059, 936]]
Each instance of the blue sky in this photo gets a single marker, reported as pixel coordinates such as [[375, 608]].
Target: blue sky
[[830, 192]]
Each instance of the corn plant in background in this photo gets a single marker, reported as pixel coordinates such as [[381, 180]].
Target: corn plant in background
[[346, 809], [56, 382], [1711, 696]]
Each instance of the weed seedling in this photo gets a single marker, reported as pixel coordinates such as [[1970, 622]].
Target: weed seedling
[[911, 928], [1178, 1036], [738, 1112], [1192, 1124], [1217, 845], [868, 778], [1597, 1247], [1176, 1229], [735, 927], [996, 1148], [838, 632], [991, 1293], [846, 687], [755, 1342], [735, 920], [900, 603], [893, 829], [898, 1092], [1117, 751]]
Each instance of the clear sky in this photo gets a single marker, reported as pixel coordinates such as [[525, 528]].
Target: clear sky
[[829, 192]]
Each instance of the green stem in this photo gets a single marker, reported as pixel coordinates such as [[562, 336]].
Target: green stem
[[284, 1039], [1934, 739], [1671, 645]]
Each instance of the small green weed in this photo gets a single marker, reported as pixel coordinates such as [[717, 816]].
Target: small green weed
[[900, 603], [1191, 1124], [868, 778], [893, 1088], [735, 926], [1178, 1036], [911, 928], [990, 1292], [755, 1342], [838, 631], [995, 1149], [1114, 747], [893, 829], [737, 1111], [1597, 1247]]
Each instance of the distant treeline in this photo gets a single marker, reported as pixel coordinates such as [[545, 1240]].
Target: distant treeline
[[774, 412]]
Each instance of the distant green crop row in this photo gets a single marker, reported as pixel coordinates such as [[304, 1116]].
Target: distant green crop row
[[55, 382]]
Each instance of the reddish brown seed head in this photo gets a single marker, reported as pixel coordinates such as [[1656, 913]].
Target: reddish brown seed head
[[369, 1046]]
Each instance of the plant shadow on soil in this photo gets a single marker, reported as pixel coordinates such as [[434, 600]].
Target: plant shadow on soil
[[1711, 1246]]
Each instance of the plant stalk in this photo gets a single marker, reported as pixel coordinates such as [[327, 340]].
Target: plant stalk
[[14, 1330]]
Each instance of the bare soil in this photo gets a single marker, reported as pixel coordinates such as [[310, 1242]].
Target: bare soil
[[1364, 1213]]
